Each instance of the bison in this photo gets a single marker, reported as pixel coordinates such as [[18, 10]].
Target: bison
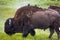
[[29, 18]]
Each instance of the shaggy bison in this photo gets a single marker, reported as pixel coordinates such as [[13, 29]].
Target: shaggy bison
[[29, 18]]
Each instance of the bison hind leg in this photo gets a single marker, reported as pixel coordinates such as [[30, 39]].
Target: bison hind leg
[[51, 31], [58, 32]]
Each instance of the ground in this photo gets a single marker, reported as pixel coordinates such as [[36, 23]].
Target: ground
[[40, 35]]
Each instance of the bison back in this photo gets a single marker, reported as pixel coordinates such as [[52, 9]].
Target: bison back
[[43, 19]]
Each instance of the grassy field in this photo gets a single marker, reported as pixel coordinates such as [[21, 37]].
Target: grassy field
[[5, 13], [40, 35]]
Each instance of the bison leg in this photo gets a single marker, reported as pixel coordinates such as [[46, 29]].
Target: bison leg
[[32, 32], [25, 33], [26, 30], [51, 31], [58, 32]]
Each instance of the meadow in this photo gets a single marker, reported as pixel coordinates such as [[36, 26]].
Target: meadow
[[6, 12]]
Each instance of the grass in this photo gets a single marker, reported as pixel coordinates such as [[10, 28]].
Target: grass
[[40, 35]]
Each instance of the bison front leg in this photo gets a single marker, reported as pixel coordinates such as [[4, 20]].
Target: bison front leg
[[25, 33], [51, 31], [32, 32], [26, 30]]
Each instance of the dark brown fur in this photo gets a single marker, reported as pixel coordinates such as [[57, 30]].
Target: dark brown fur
[[25, 10]]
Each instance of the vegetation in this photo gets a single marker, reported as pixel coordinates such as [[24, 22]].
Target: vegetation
[[40, 35]]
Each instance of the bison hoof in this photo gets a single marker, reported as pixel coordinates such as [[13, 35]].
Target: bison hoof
[[32, 33], [49, 37], [25, 34]]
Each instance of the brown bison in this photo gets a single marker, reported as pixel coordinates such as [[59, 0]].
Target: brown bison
[[29, 18]]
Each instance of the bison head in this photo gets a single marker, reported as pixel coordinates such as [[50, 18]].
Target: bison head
[[9, 26]]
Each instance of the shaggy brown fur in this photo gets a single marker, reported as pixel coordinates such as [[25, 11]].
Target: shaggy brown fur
[[22, 13], [25, 10]]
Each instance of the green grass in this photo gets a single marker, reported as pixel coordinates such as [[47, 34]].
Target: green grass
[[40, 35]]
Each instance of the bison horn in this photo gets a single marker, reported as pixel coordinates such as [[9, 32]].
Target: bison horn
[[9, 21]]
